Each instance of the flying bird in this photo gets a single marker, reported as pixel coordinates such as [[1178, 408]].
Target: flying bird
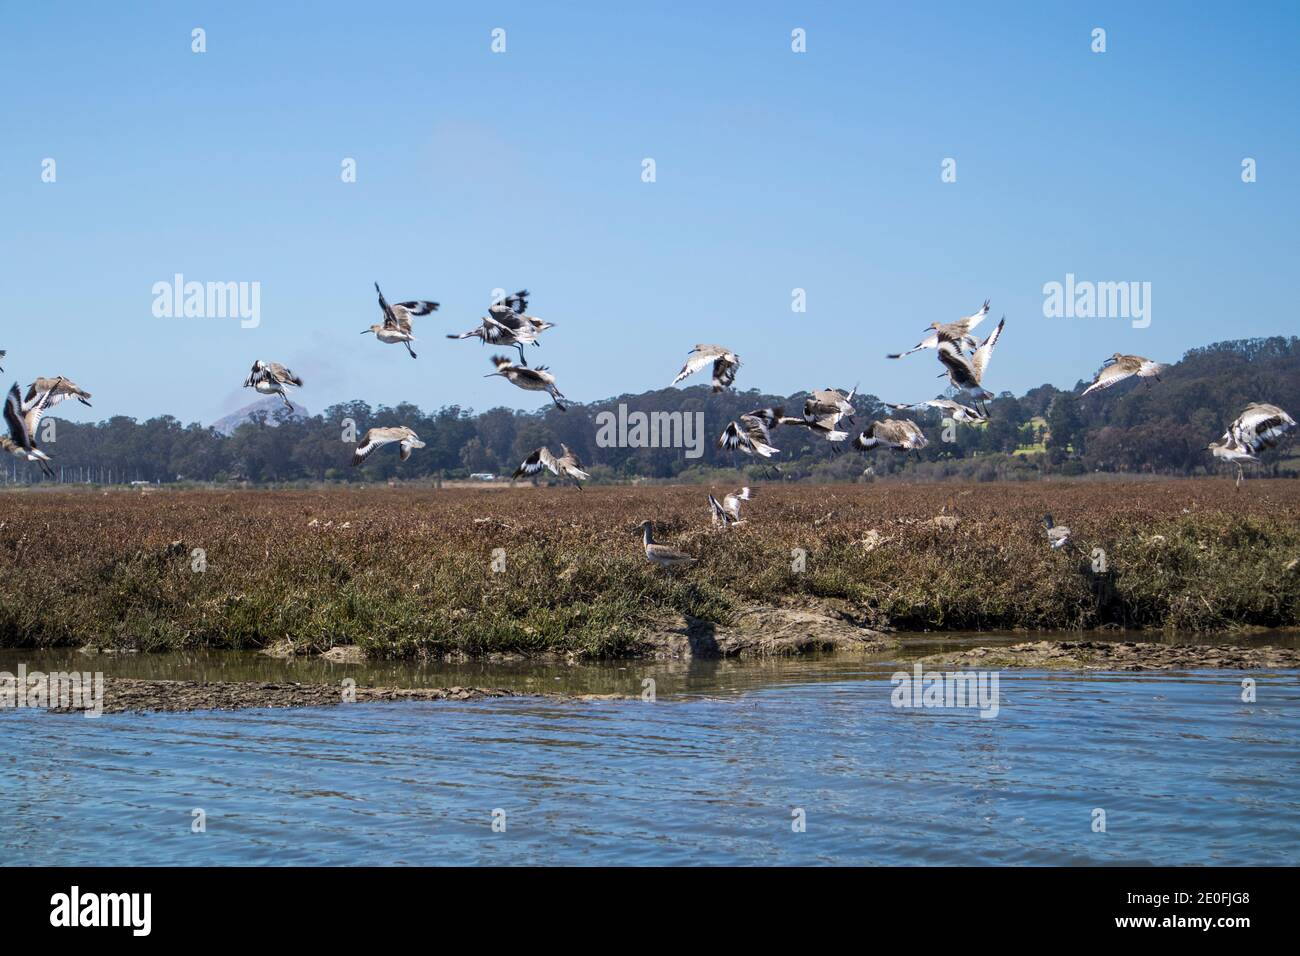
[[661, 555], [957, 333], [530, 379], [22, 424], [967, 373], [727, 511], [951, 409], [725, 362], [898, 434], [568, 465], [508, 324], [829, 402], [750, 433], [1119, 367], [1257, 428], [396, 326], [58, 388], [272, 378], [377, 438]]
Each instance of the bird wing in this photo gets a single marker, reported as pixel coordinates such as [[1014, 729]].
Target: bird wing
[[960, 369], [506, 317], [370, 442], [1108, 376], [968, 323], [282, 375], [929, 342], [14, 419], [418, 306], [719, 512], [518, 302], [32, 415], [724, 372], [694, 362], [539, 459], [980, 360], [1262, 426], [755, 426], [390, 317], [758, 437]]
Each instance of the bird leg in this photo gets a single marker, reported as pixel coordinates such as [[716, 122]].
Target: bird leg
[[523, 360], [409, 349]]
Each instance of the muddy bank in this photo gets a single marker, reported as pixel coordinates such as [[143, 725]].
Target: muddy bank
[[1119, 656], [130, 695], [758, 631]]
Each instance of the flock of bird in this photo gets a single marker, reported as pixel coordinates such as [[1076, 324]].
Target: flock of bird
[[963, 358]]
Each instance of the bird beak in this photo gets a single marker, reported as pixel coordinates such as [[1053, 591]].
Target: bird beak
[[367, 331]]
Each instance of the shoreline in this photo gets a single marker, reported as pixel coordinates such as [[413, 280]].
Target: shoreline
[[156, 695]]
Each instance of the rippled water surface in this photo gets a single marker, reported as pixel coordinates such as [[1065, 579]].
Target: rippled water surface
[[710, 772]]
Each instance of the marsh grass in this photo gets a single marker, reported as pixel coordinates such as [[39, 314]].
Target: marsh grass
[[408, 572]]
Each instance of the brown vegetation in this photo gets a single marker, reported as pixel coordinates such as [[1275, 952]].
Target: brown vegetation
[[407, 572]]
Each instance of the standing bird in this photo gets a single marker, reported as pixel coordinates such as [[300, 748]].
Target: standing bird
[[967, 374], [661, 555], [727, 511], [1257, 428], [958, 333], [377, 438], [58, 388], [1231, 450], [725, 362], [1058, 535], [508, 324], [898, 434], [396, 326], [954, 410], [22, 423], [272, 378], [750, 433], [567, 465], [530, 379], [1119, 367]]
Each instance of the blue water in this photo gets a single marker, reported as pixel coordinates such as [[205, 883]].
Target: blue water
[[1185, 771]]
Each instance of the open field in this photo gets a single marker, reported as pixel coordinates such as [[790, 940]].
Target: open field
[[408, 572]]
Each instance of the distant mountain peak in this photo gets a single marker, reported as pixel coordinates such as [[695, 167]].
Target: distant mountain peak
[[271, 404]]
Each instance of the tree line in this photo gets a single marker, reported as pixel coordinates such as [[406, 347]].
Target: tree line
[[1126, 429]]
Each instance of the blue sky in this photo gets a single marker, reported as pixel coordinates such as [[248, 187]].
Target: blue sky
[[775, 171]]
